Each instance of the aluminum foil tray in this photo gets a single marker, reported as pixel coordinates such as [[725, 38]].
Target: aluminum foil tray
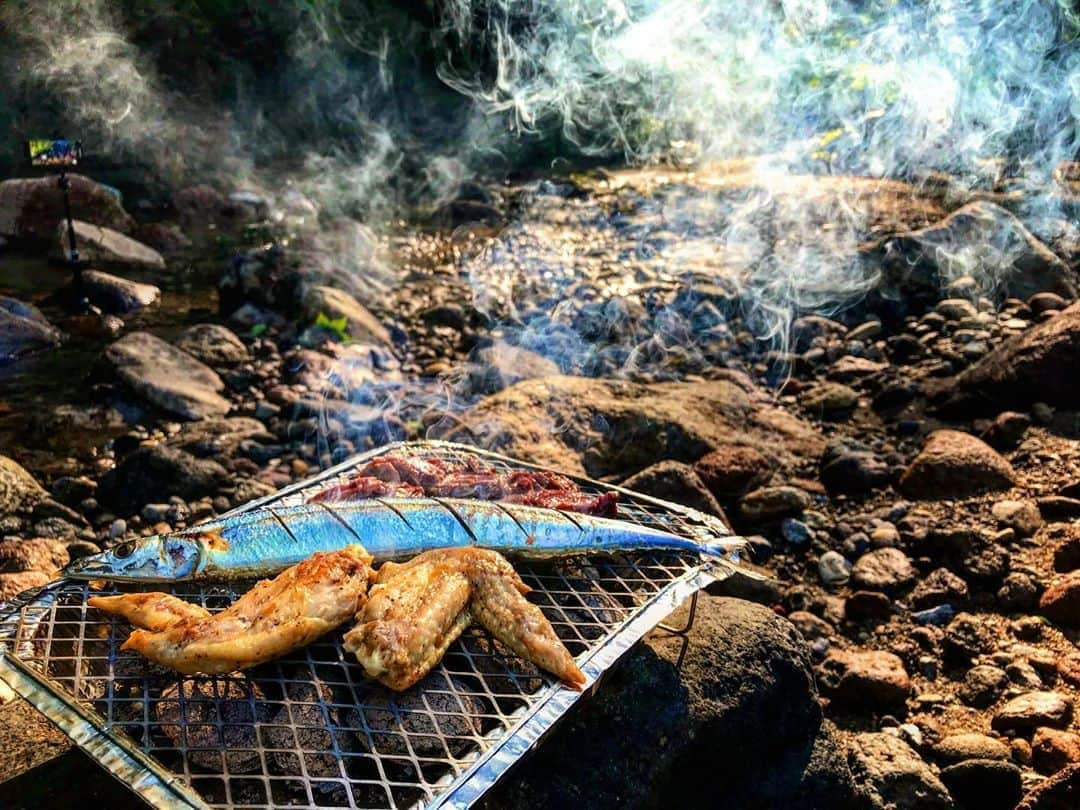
[[308, 730]]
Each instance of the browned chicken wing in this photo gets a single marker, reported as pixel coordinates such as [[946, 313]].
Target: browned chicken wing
[[417, 609], [272, 619]]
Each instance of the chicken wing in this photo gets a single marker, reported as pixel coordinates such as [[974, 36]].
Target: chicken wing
[[273, 618], [418, 608]]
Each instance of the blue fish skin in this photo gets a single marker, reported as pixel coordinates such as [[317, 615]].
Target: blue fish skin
[[268, 539]]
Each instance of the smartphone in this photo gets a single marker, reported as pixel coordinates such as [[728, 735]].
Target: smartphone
[[55, 152]]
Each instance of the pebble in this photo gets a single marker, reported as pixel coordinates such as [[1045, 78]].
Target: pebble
[[1031, 710], [833, 568], [938, 616], [796, 532], [940, 587], [958, 747], [872, 678], [773, 503], [1060, 603], [982, 686], [883, 569], [1052, 750], [1019, 592], [968, 637], [117, 528], [1021, 516], [988, 784], [864, 605]]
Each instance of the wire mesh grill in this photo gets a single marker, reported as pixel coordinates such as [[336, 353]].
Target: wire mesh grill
[[308, 729]]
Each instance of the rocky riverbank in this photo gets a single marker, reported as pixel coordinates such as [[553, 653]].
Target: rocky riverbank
[[907, 471]]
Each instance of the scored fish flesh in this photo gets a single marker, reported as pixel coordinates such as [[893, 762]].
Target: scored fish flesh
[[270, 538]]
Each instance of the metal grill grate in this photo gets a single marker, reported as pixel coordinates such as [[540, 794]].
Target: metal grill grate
[[308, 729]]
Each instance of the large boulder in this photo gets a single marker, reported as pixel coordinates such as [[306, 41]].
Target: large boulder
[[19, 492], [609, 427], [167, 377], [152, 474], [737, 724], [953, 464], [104, 247], [983, 240], [24, 330], [1037, 366], [31, 208], [360, 324]]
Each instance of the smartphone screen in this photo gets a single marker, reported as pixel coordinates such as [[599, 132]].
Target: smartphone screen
[[56, 152]]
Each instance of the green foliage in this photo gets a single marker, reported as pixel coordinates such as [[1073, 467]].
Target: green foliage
[[339, 326]]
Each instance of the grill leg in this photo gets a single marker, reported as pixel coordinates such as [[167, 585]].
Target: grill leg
[[682, 632]]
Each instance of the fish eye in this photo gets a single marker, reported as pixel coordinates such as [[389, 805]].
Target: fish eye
[[124, 550]]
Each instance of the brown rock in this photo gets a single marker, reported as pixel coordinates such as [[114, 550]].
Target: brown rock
[[360, 324], [730, 471], [12, 585], [610, 427], [883, 569], [1037, 366], [864, 679], [1021, 516], [1052, 750], [1060, 792], [890, 775], [676, 482], [1033, 709], [958, 747], [104, 247], [1060, 602], [31, 208], [19, 492], [1068, 667], [773, 503], [39, 554], [863, 605], [954, 465]]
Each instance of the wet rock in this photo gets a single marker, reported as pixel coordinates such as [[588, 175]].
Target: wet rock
[[360, 324], [151, 474], [38, 554], [745, 673], [213, 344], [773, 503], [731, 471], [983, 783], [891, 776], [1033, 709], [19, 492], [116, 295], [869, 679], [1053, 750], [677, 482], [501, 365], [958, 747], [610, 427], [31, 208], [1033, 367], [1021, 516], [24, 330], [104, 247], [941, 586], [954, 465], [1060, 602], [829, 400], [883, 569], [167, 377]]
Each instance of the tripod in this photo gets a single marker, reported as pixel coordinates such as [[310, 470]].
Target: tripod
[[82, 303]]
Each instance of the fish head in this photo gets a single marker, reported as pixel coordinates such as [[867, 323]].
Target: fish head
[[158, 558]]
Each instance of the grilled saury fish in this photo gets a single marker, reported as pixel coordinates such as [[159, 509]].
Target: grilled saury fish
[[269, 539]]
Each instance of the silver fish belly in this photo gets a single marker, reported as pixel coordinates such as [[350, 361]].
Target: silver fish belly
[[268, 539]]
